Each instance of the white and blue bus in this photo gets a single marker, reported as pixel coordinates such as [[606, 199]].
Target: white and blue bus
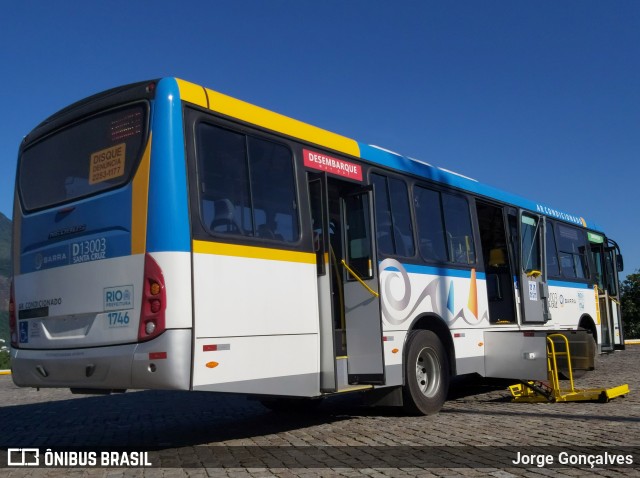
[[167, 236]]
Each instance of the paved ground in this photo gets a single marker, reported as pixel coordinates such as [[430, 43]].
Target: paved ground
[[477, 433]]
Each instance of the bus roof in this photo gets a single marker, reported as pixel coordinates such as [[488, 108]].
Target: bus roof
[[376, 155]]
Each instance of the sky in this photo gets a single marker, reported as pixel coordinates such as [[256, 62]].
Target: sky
[[537, 98]]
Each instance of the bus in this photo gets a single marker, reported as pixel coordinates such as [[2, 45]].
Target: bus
[[167, 236]]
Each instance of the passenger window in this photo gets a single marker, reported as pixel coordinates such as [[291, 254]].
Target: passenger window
[[459, 232], [572, 247], [384, 227], [553, 267], [247, 185], [401, 216], [430, 227], [394, 231], [273, 190], [224, 181]]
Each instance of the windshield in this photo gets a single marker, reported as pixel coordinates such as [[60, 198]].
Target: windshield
[[90, 156]]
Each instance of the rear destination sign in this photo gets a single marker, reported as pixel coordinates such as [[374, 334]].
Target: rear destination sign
[[332, 165]]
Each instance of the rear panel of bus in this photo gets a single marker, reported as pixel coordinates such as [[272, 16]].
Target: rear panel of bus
[[99, 247]]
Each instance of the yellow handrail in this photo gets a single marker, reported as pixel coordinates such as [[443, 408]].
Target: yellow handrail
[[553, 364], [338, 277], [355, 276]]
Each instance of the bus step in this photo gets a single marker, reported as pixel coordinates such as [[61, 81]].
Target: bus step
[[343, 380]]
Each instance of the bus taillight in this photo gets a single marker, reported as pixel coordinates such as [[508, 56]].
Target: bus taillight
[[154, 301], [13, 326]]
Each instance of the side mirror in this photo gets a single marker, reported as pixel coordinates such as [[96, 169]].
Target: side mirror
[[619, 262]]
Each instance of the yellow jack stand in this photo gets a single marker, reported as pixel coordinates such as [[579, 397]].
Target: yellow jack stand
[[532, 392]]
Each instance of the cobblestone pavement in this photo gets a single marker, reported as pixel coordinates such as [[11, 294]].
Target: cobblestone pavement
[[200, 434]]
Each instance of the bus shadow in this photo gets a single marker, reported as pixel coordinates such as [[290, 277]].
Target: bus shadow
[[522, 414], [474, 385], [171, 419], [149, 419]]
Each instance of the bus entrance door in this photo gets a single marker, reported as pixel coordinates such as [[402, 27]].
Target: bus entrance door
[[350, 319], [533, 276], [615, 265], [604, 260], [365, 363], [497, 263]]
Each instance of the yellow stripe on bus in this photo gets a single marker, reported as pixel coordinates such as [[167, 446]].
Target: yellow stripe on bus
[[241, 110], [192, 93], [139, 203], [252, 252], [267, 119]]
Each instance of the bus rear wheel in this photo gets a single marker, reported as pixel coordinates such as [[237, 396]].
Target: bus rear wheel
[[426, 373]]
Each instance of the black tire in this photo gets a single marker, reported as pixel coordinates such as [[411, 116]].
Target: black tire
[[426, 373]]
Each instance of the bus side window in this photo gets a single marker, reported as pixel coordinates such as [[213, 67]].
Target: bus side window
[[430, 227], [223, 179], [572, 245], [553, 267], [247, 185], [384, 226], [458, 226], [394, 231], [401, 212], [273, 190]]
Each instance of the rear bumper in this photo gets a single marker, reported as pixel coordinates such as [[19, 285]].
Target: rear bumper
[[162, 363]]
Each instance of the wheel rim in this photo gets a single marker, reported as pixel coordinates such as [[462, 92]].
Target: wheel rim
[[428, 374]]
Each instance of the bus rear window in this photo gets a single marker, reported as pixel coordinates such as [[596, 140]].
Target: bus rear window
[[90, 156]]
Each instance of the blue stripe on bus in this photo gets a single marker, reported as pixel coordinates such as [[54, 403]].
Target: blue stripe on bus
[[402, 163], [439, 271], [105, 217], [168, 215], [574, 285]]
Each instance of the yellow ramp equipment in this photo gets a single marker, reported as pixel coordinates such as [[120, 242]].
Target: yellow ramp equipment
[[551, 391]]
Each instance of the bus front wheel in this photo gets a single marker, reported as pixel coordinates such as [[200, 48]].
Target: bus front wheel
[[426, 373]]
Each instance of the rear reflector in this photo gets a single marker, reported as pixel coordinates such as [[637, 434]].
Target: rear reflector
[[154, 301], [215, 347]]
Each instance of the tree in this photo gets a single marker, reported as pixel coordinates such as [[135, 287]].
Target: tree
[[630, 303]]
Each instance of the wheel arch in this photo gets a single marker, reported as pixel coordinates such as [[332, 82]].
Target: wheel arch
[[586, 322], [438, 326]]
